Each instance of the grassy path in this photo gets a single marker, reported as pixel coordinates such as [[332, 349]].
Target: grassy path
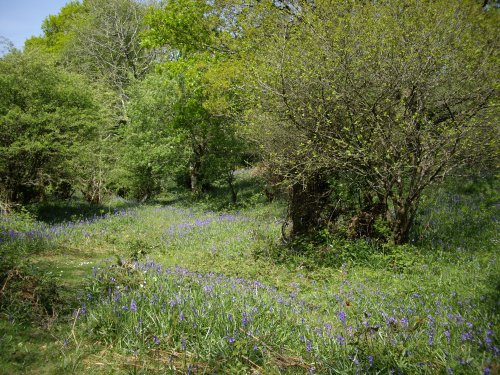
[[222, 299]]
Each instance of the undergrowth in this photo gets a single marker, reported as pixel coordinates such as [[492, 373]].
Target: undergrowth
[[224, 295]]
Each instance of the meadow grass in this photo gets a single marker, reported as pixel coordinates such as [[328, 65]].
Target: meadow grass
[[180, 288]]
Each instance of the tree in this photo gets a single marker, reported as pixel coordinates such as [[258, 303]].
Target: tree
[[58, 30], [376, 99], [6, 45], [107, 45], [151, 149], [201, 120], [171, 133], [101, 39], [47, 116]]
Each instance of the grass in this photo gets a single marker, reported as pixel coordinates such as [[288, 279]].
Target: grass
[[181, 288]]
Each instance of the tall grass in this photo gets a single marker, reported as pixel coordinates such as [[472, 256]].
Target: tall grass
[[221, 296], [218, 323]]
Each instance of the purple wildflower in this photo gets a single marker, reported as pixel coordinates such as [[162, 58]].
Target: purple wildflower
[[342, 316], [308, 345], [488, 341], [466, 336], [245, 320], [370, 360], [133, 306], [447, 334], [432, 329], [340, 339]]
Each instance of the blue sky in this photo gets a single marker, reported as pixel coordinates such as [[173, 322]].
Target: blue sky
[[20, 19]]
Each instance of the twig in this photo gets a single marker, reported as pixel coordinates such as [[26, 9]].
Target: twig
[[11, 273], [285, 360], [73, 327], [253, 363]]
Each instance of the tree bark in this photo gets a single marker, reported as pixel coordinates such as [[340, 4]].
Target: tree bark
[[307, 203], [232, 189], [404, 217], [194, 175]]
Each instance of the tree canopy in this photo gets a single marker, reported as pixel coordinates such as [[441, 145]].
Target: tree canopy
[[48, 116], [375, 99], [354, 108]]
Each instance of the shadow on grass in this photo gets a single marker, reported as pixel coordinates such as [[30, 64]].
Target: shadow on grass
[[217, 196], [54, 212], [29, 349]]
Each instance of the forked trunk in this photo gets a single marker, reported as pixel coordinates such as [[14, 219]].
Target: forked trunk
[[404, 217]]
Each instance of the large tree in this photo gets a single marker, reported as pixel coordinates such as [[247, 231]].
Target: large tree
[[172, 133], [107, 45], [377, 99], [201, 107], [49, 120], [102, 40], [58, 30]]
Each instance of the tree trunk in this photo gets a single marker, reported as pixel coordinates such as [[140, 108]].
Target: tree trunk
[[307, 203], [194, 175], [404, 217], [232, 189]]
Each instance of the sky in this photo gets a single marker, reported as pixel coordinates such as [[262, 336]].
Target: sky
[[20, 19]]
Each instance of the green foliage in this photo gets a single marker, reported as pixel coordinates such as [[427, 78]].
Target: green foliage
[[58, 30], [106, 45], [171, 133], [200, 72], [149, 149], [27, 295], [215, 321], [404, 306], [358, 108], [47, 117], [181, 24], [327, 251], [383, 96]]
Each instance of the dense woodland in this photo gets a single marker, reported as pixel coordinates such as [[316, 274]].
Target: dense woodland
[[350, 109], [349, 119]]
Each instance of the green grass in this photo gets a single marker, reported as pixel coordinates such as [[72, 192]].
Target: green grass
[[177, 288]]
